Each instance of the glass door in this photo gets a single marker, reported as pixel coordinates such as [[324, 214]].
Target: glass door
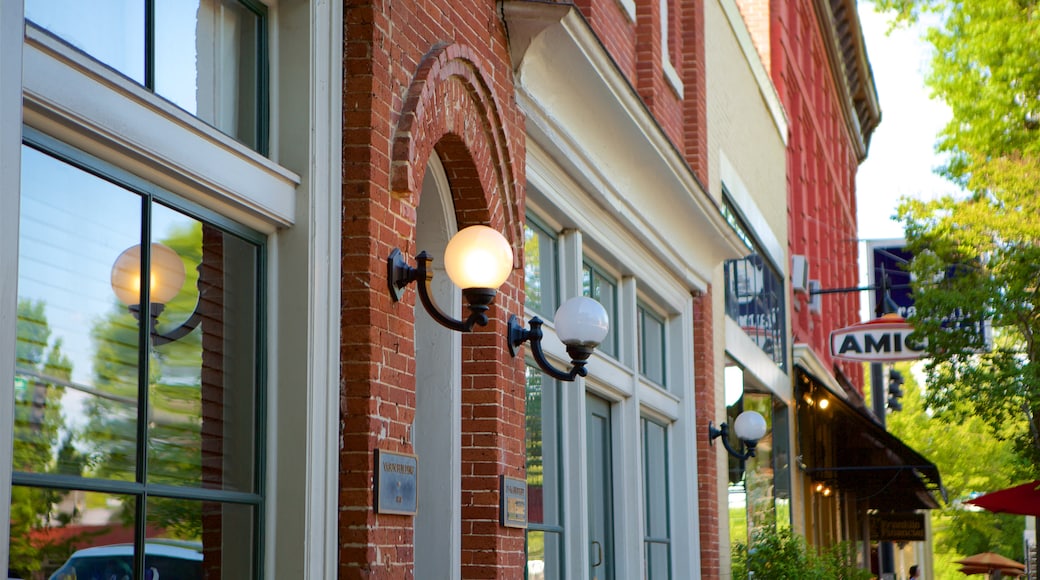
[[601, 489]]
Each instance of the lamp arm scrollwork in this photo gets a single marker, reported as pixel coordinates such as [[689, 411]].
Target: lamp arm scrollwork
[[161, 338], [518, 335], [723, 432], [399, 275]]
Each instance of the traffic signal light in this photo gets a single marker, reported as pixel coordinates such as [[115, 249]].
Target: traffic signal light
[[895, 391]]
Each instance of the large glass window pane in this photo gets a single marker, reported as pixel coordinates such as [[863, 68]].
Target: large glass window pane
[[599, 286], [195, 540], [201, 396], [92, 398], [70, 534], [651, 345], [207, 62], [540, 269], [543, 555], [657, 541], [755, 293], [111, 31], [205, 56], [77, 347], [543, 476]]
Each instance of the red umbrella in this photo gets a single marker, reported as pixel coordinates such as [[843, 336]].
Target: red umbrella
[[1022, 499]]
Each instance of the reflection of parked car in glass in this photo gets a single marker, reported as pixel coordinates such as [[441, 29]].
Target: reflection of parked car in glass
[[162, 561]]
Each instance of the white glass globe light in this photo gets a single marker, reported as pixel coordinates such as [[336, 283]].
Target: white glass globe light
[[167, 275], [581, 321], [478, 257], [749, 426]]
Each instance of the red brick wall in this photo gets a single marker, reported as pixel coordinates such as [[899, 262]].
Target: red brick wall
[[821, 177], [419, 79], [636, 48], [707, 468]]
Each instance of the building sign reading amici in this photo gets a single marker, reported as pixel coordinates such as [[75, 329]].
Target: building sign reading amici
[[885, 339]]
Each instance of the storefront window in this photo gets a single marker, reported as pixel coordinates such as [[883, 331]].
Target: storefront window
[[544, 529], [759, 487], [540, 273], [651, 345], [657, 544], [598, 285], [755, 293], [129, 434], [208, 56]]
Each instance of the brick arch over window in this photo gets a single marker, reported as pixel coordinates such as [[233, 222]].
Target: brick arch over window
[[451, 106], [454, 107]]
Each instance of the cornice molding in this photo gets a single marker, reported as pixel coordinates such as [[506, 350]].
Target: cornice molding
[[847, 56]]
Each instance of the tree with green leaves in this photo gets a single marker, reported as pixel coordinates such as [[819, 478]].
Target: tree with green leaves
[[977, 255], [959, 529]]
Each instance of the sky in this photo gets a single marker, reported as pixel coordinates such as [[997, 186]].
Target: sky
[[901, 159]]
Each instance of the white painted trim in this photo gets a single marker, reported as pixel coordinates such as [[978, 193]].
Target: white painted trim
[[765, 83], [667, 67], [609, 219], [629, 6], [10, 178], [72, 97], [553, 45], [301, 539], [672, 76], [752, 214], [322, 553], [757, 363]]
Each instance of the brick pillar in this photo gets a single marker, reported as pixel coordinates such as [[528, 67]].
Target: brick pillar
[[695, 101], [707, 462]]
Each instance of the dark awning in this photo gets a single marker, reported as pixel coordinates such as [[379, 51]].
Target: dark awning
[[843, 445]]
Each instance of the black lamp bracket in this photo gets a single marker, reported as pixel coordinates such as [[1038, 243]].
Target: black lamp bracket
[[518, 335], [399, 275], [723, 431], [161, 338]]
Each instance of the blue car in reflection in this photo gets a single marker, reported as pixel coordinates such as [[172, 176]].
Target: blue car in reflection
[[162, 561]]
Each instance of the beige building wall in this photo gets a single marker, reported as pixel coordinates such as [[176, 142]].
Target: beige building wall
[[747, 141]]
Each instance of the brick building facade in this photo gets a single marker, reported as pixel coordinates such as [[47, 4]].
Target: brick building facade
[[628, 151]]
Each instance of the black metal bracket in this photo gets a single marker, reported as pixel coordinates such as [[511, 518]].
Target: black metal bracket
[[517, 335], [161, 338], [723, 431], [399, 275]]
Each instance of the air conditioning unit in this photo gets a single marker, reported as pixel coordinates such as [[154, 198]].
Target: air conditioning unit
[[815, 300], [799, 273]]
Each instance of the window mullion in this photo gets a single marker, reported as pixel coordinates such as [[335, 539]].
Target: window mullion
[[144, 346], [149, 44]]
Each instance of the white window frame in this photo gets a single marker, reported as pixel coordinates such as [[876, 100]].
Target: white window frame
[[667, 66], [71, 97]]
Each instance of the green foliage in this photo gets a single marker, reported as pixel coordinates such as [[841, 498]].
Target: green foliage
[[984, 68], [991, 464], [781, 554], [981, 259], [978, 256]]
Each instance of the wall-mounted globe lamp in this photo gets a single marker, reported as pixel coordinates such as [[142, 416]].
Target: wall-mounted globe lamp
[[749, 427], [581, 324], [166, 278], [478, 259]]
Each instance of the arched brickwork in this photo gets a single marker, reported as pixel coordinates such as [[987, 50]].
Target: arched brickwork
[[457, 103], [451, 106]]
